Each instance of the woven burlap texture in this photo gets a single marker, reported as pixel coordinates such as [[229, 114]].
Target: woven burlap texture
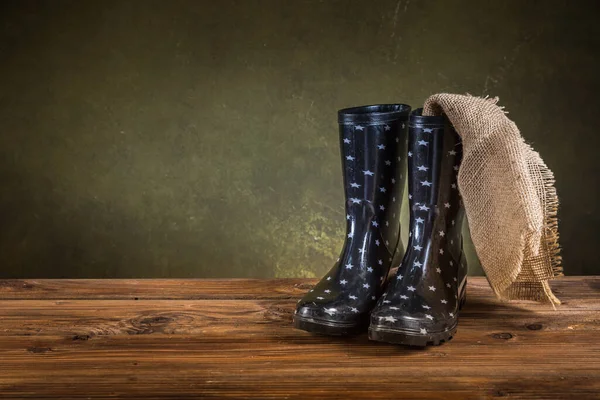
[[509, 198]]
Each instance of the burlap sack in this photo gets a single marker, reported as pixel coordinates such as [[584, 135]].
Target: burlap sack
[[509, 198]]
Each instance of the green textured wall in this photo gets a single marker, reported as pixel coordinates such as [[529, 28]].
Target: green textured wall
[[199, 138]]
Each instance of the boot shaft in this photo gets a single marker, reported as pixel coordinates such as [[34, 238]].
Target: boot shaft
[[434, 156], [373, 142]]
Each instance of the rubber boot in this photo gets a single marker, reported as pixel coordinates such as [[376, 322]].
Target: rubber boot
[[373, 147], [421, 303]]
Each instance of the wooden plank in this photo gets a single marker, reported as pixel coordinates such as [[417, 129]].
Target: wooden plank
[[144, 289], [245, 317], [566, 288], [246, 347]]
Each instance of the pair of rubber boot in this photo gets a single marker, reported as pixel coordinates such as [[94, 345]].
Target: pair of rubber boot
[[418, 302]]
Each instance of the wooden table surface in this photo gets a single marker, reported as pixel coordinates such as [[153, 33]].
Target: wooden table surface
[[234, 339]]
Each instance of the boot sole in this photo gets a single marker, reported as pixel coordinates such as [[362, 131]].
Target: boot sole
[[411, 338], [328, 328]]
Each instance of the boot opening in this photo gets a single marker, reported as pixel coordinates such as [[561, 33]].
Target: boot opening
[[375, 113]]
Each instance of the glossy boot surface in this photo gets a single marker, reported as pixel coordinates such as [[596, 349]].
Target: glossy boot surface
[[373, 145], [421, 303]]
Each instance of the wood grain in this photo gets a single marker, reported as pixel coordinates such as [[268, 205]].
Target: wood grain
[[234, 339]]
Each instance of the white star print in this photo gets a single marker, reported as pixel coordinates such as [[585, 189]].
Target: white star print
[[422, 168], [432, 288], [451, 263], [426, 307], [399, 276], [410, 153], [375, 224], [390, 319], [381, 208], [373, 297], [388, 162], [444, 301], [350, 158], [393, 180], [417, 264], [382, 189], [425, 183], [347, 216], [397, 140], [418, 248], [442, 233], [352, 297], [428, 316], [354, 185], [377, 242], [455, 280], [353, 309], [380, 262], [386, 302], [403, 297], [448, 285], [394, 199], [349, 266], [455, 167], [327, 291], [454, 186], [381, 147], [423, 331], [387, 242], [343, 281], [410, 196], [442, 251], [423, 208], [387, 223], [419, 220], [350, 235], [386, 127], [438, 270], [451, 315], [422, 143], [328, 278], [368, 173], [428, 130], [452, 152], [330, 311], [346, 140], [447, 205], [394, 308], [359, 128], [366, 285], [411, 288], [369, 269], [355, 200], [361, 250]]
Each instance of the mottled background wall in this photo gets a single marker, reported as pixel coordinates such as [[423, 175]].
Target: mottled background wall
[[199, 138]]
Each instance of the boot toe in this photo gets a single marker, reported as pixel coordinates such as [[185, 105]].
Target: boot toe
[[331, 312], [415, 322]]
